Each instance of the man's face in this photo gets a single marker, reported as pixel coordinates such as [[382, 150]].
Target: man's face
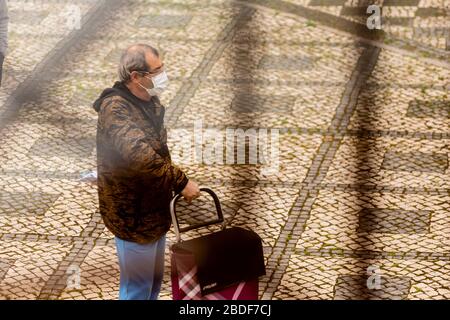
[[156, 67]]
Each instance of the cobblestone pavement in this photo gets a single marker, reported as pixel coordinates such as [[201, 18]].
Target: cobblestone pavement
[[361, 193], [422, 21]]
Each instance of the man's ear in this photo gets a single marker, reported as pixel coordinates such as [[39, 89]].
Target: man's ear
[[134, 76]]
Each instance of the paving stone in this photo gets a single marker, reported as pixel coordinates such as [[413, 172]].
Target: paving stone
[[71, 148], [431, 31], [24, 204], [248, 103], [4, 267], [286, 63], [429, 109], [401, 2], [115, 55], [327, 2], [394, 221], [357, 288], [67, 124], [427, 171], [397, 21], [388, 108], [85, 96], [431, 12], [334, 222], [33, 263], [399, 17], [422, 162], [163, 21], [30, 18], [354, 11]]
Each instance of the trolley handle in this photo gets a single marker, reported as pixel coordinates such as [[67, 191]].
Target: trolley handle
[[176, 224]]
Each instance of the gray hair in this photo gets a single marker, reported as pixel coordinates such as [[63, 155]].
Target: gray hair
[[133, 59]]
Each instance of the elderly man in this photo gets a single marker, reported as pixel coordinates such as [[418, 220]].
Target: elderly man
[[3, 34], [136, 177]]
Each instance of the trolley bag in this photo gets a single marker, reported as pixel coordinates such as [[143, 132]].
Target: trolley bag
[[224, 265]]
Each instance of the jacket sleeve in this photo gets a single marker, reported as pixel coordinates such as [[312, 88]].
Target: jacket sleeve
[[135, 148]]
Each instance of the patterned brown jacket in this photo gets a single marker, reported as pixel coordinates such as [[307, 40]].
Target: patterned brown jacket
[[136, 177]]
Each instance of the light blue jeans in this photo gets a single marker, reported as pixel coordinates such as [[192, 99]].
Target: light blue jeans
[[141, 269]]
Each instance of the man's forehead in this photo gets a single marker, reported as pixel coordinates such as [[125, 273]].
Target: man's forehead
[[153, 60]]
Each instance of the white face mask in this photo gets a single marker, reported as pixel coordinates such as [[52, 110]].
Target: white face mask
[[160, 84]]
